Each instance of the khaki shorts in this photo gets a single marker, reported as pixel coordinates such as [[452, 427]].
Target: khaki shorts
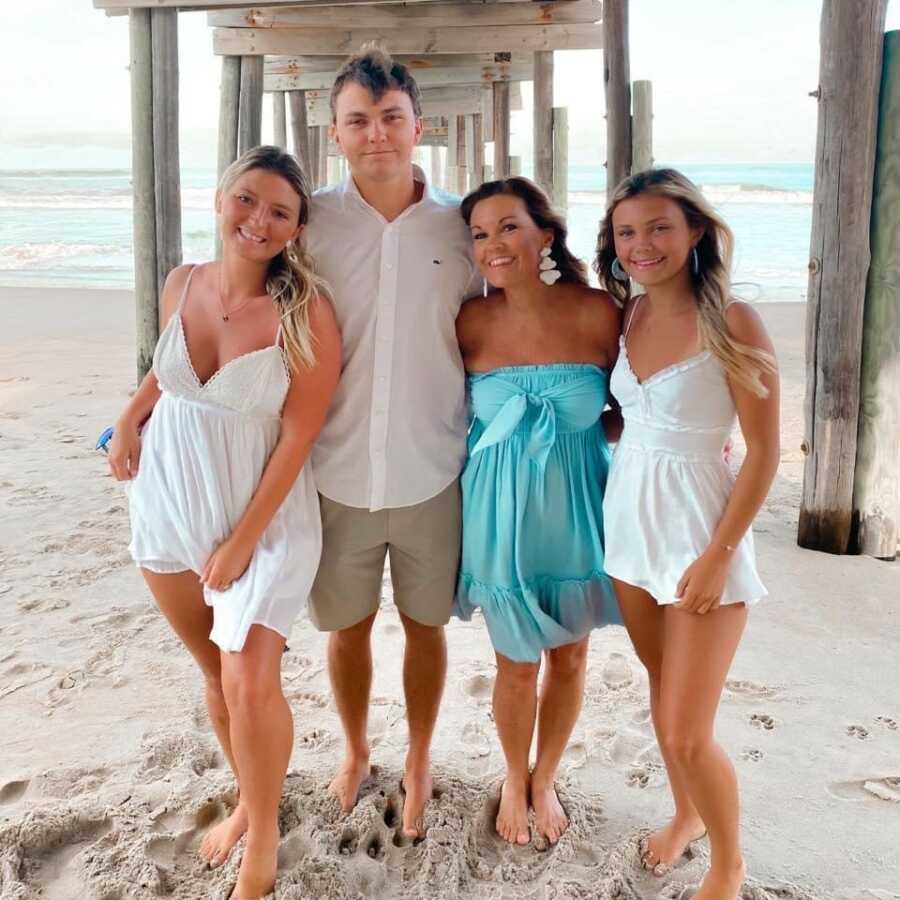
[[424, 544]]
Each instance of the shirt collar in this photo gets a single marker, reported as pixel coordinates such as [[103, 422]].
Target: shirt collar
[[349, 189]]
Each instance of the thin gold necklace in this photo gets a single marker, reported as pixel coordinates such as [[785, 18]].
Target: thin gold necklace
[[227, 314]]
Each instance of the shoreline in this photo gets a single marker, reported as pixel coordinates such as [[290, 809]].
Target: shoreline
[[109, 772]]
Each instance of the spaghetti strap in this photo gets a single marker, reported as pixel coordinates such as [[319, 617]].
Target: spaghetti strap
[[184, 292], [731, 302], [279, 335], [631, 313]]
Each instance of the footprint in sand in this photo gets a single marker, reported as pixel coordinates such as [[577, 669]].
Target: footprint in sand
[[479, 687], [752, 755], [857, 731], [887, 789], [758, 720], [749, 690], [888, 722], [13, 791], [628, 746], [616, 673], [648, 774], [475, 740]]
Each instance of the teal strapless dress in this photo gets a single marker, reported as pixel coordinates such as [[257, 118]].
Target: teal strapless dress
[[532, 505]]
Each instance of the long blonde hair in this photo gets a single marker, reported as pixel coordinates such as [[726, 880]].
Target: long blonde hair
[[292, 282], [711, 283]]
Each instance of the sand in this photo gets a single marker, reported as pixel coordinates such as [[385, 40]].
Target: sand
[[110, 774]]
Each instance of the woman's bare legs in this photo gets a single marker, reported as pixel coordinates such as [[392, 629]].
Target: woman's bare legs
[[180, 599], [697, 654], [562, 693], [645, 623], [262, 735], [515, 705]]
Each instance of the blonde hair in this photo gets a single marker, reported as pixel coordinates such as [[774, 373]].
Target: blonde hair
[[292, 282], [712, 282]]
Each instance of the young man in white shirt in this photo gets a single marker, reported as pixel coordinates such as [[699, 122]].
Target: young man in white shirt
[[397, 255]]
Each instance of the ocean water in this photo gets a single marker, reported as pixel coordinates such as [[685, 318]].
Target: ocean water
[[72, 227]]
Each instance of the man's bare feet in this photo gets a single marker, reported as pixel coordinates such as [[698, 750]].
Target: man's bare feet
[[722, 883], [349, 779], [416, 787], [663, 848], [512, 817], [259, 864], [550, 818], [219, 841]]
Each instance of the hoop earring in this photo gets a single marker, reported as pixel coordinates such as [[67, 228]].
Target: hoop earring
[[695, 261], [484, 291], [617, 271], [548, 273]]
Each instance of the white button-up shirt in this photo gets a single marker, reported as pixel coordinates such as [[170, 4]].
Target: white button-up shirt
[[395, 434]]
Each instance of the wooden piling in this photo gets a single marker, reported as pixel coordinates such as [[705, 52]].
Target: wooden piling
[[322, 155], [876, 487], [299, 129], [146, 285], [166, 168], [501, 129], [476, 171], [852, 35], [250, 114], [543, 119], [279, 119], [616, 78], [642, 126], [462, 170], [435, 166], [229, 104], [560, 184]]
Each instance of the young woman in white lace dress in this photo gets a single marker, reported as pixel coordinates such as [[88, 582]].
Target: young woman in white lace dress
[[677, 523], [225, 516]]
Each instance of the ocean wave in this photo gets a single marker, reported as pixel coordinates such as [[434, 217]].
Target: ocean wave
[[718, 194], [51, 255], [191, 198]]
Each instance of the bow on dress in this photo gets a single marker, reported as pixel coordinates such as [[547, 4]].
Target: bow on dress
[[542, 436]]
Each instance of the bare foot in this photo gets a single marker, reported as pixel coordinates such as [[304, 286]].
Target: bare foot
[[416, 788], [256, 877], [219, 841], [549, 817], [663, 848], [346, 784], [512, 817], [722, 883]]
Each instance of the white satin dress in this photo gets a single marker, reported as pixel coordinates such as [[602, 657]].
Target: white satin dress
[[203, 453], [668, 482]]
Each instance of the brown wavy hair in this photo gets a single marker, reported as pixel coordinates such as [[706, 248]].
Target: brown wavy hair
[[571, 268], [711, 282]]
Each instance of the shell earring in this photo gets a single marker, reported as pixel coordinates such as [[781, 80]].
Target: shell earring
[[617, 271], [549, 274]]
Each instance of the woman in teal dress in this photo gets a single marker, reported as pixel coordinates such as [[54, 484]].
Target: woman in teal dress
[[538, 350]]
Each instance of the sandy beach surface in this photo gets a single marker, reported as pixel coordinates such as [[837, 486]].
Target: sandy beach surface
[[110, 774]]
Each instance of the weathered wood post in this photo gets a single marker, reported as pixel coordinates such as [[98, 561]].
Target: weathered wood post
[[501, 129], [560, 193], [166, 167], [616, 77], [476, 168], [462, 171], [146, 285], [229, 105], [250, 114], [435, 165], [279, 119], [322, 156], [515, 165], [299, 129], [849, 78], [876, 488], [452, 152], [642, 126], [543, 119], [313, 144]]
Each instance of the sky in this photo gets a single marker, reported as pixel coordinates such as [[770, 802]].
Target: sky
[[731, 82]]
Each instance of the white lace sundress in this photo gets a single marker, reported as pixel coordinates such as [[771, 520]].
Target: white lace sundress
[[203, 453], [668, 482]]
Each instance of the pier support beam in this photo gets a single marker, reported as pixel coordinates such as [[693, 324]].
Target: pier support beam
[[617, 79], [543, 120], [852, 36], [876, 486]]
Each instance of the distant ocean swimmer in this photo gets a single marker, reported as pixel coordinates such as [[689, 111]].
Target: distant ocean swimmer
[[677, 523], [225, 517]]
